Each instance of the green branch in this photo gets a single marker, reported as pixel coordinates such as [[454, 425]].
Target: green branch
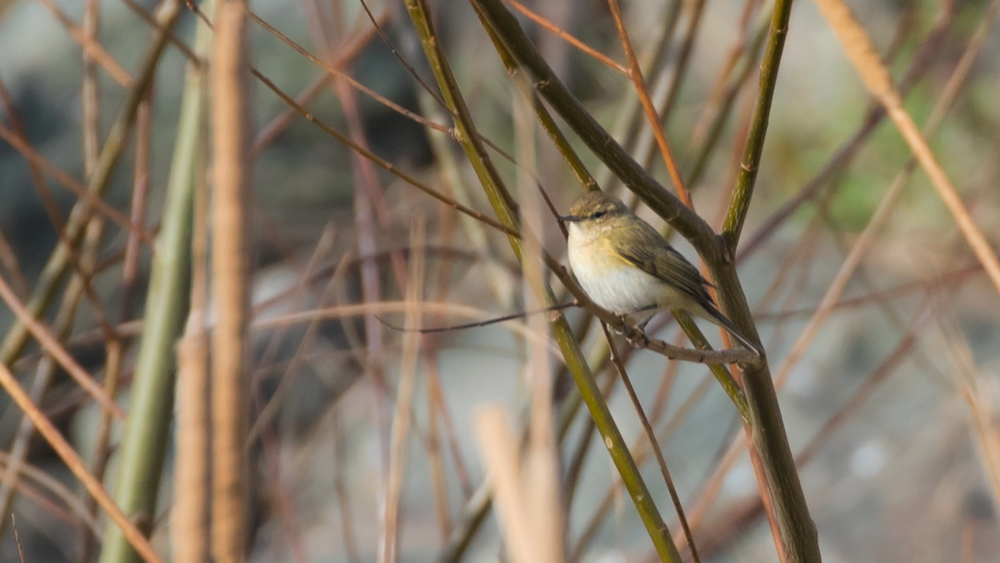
[[503, 206], [548, 85], [750, 163]]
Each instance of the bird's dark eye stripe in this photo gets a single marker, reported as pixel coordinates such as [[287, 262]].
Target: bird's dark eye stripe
[[599, 214]]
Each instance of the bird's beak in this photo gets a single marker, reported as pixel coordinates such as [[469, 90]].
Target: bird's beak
[[570, 218]]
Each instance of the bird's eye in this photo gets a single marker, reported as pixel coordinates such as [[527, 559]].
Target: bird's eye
[[599, 214]]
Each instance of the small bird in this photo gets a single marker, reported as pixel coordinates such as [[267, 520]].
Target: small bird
[[626, 267]]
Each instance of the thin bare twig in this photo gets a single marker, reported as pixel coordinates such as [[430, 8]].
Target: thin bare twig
[[388, 550], [654, 445], [90, 45], [583, 47], [635, 73], [859, 49], [76, 465]]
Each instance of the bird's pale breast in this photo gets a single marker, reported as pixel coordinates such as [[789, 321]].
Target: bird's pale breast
[[608, 279]]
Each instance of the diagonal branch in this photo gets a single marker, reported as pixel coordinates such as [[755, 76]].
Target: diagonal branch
[[604, 146], [875, 75]]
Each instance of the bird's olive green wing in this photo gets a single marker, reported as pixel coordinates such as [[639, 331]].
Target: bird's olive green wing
[[649, 252]]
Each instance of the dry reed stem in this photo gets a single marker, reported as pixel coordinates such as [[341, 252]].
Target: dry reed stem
[[893, 360], [10, 262], [340, 463], [886, 205], [717, 93], [90, 91], [949, 278], [683, 60], [859, 49], [830, 299], [371, 217], [742, 513], [51, 344], [10, 259], [626, 125], [435, 450], [102, 431], [847, 151], [339, 74], [382, 307], [16, 460], [437, 411], [62, 327], [801, 252], [436, 394], [583, 47], [635, 73], [369, 207], [541, 464], [279, 123], [844, 274], [174, 40], [100, 206], [190, 515], [264, 413], [382, 163], [55, 488], [389, 548], [76, 465], [317, 24], [90, 45], [982, 395], [642, 452], [230, 255], [498, 448], [296, 293], [17, 538], [455, 186], [367, 180], [189, 522], [137, 215], [90, 101], [652, 442]]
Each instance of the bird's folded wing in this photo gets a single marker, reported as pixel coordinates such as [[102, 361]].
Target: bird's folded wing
[[660, 260]]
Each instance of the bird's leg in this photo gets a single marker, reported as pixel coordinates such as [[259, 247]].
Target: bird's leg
[[642, 339], [639, 339], [641, 342], [624, 320]]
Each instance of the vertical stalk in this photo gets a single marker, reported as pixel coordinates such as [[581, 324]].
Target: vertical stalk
[[502, 204], [147, 429], [230, 284]]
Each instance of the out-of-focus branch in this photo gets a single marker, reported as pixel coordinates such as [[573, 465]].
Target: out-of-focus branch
[[231, 110]]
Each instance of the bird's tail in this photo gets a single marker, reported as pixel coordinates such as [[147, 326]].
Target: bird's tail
[[718, 318]]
